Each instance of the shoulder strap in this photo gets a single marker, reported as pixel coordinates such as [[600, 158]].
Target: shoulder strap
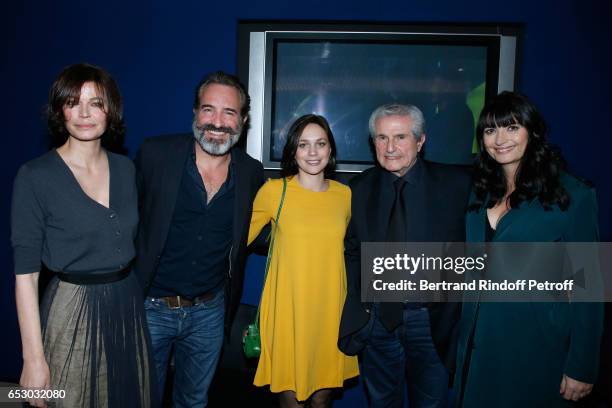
[[271, 246]]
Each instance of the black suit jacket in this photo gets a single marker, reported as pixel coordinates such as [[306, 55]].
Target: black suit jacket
[[436, 214], [159, 168]]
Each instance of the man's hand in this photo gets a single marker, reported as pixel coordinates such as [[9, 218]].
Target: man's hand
[[573, 390]]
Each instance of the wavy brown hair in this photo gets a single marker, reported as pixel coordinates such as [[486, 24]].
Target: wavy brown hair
[[67, 87]]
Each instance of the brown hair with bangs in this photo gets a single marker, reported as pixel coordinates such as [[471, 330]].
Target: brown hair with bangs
[[67, 87]]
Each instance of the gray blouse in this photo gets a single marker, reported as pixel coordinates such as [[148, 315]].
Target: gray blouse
[[55, 223]]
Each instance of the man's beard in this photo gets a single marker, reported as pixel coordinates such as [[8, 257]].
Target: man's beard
[[215, 147]]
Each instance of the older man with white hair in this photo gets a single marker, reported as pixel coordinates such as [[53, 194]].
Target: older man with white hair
[[403, 199]]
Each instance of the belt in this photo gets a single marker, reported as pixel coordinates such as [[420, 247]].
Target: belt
[[175, 302], [93, 278]]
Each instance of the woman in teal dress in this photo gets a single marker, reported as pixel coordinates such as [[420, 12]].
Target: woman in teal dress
[[526, 354]]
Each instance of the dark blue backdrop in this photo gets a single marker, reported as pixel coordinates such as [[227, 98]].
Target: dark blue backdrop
[[158, 50]]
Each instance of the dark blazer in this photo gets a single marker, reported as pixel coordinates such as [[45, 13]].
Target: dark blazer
[[159, 168], [515, 354], [437, 215]]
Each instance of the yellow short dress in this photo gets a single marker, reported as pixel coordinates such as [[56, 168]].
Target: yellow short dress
[[305, 288]]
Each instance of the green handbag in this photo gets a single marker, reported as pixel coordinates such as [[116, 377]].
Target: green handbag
[[251, 340]]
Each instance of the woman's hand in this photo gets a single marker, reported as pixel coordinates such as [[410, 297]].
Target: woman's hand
[[35, 376], [35, 372], [573, 390]]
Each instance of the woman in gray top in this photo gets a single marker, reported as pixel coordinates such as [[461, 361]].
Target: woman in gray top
[[75, 212]]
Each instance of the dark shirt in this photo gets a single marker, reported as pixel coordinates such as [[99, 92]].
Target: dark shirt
[[54, 222], [413, 192], [196, 255]]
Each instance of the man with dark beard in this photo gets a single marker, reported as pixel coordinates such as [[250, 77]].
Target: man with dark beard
[[195, 194]]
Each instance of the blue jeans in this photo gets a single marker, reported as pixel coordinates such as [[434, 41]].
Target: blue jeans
[[405, 355], [197, 336]]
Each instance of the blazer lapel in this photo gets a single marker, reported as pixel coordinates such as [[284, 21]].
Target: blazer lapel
[[241, 187], [513, 217], [378, 206], [475, 225], [422, 225], [171, 180]]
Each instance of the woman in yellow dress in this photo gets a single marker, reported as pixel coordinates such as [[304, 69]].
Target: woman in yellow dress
[[305, 287]]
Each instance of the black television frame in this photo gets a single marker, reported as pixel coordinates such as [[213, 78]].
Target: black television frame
[[255, 39]]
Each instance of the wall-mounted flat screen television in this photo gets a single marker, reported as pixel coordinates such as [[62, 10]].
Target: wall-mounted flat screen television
[[344, 71]]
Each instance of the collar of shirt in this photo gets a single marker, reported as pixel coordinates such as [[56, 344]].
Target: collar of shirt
[[192, 170], [413, 176]]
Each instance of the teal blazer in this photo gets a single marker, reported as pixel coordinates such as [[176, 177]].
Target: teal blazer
[[515, 354]]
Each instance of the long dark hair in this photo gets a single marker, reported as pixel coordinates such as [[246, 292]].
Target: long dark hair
[[289, 166], [539, 169]]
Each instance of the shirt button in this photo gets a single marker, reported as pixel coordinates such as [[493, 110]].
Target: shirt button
[[112, 216], [193, 262], [118, 250], [117, 232], [199, 237]]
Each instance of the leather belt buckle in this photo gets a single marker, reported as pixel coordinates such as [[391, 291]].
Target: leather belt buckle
[[173, 302], [176, 302]]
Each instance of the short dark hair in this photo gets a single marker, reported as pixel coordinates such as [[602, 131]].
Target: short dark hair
[[67, 86], [222, 78], [289, 166]]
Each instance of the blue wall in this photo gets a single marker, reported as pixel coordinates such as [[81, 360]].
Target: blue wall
[[157, 51]]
